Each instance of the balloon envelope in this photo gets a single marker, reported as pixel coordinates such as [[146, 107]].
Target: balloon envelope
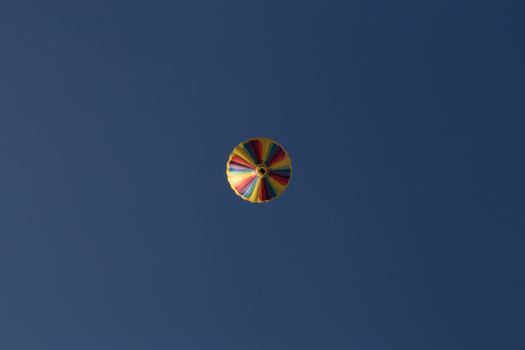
[[259, 170]]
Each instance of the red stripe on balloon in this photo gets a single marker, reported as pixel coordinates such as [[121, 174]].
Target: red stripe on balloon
[[280, 179], [242, 161], [279, 155], [262, 192]]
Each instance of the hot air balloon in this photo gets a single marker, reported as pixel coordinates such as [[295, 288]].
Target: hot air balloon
[[259, 170]]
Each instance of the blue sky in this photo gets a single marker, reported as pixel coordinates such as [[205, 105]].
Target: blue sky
[[402, 227]]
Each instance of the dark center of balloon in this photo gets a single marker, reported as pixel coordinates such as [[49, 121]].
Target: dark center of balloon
[[261, 171]]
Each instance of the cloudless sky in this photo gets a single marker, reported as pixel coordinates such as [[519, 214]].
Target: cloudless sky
[[403, 227]]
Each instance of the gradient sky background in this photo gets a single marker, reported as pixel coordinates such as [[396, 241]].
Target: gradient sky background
[[403, 227]]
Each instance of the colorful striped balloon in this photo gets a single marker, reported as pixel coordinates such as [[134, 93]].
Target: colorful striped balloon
[[259, 170]]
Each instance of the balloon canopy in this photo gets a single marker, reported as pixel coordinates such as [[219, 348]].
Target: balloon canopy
[[259, 170]]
